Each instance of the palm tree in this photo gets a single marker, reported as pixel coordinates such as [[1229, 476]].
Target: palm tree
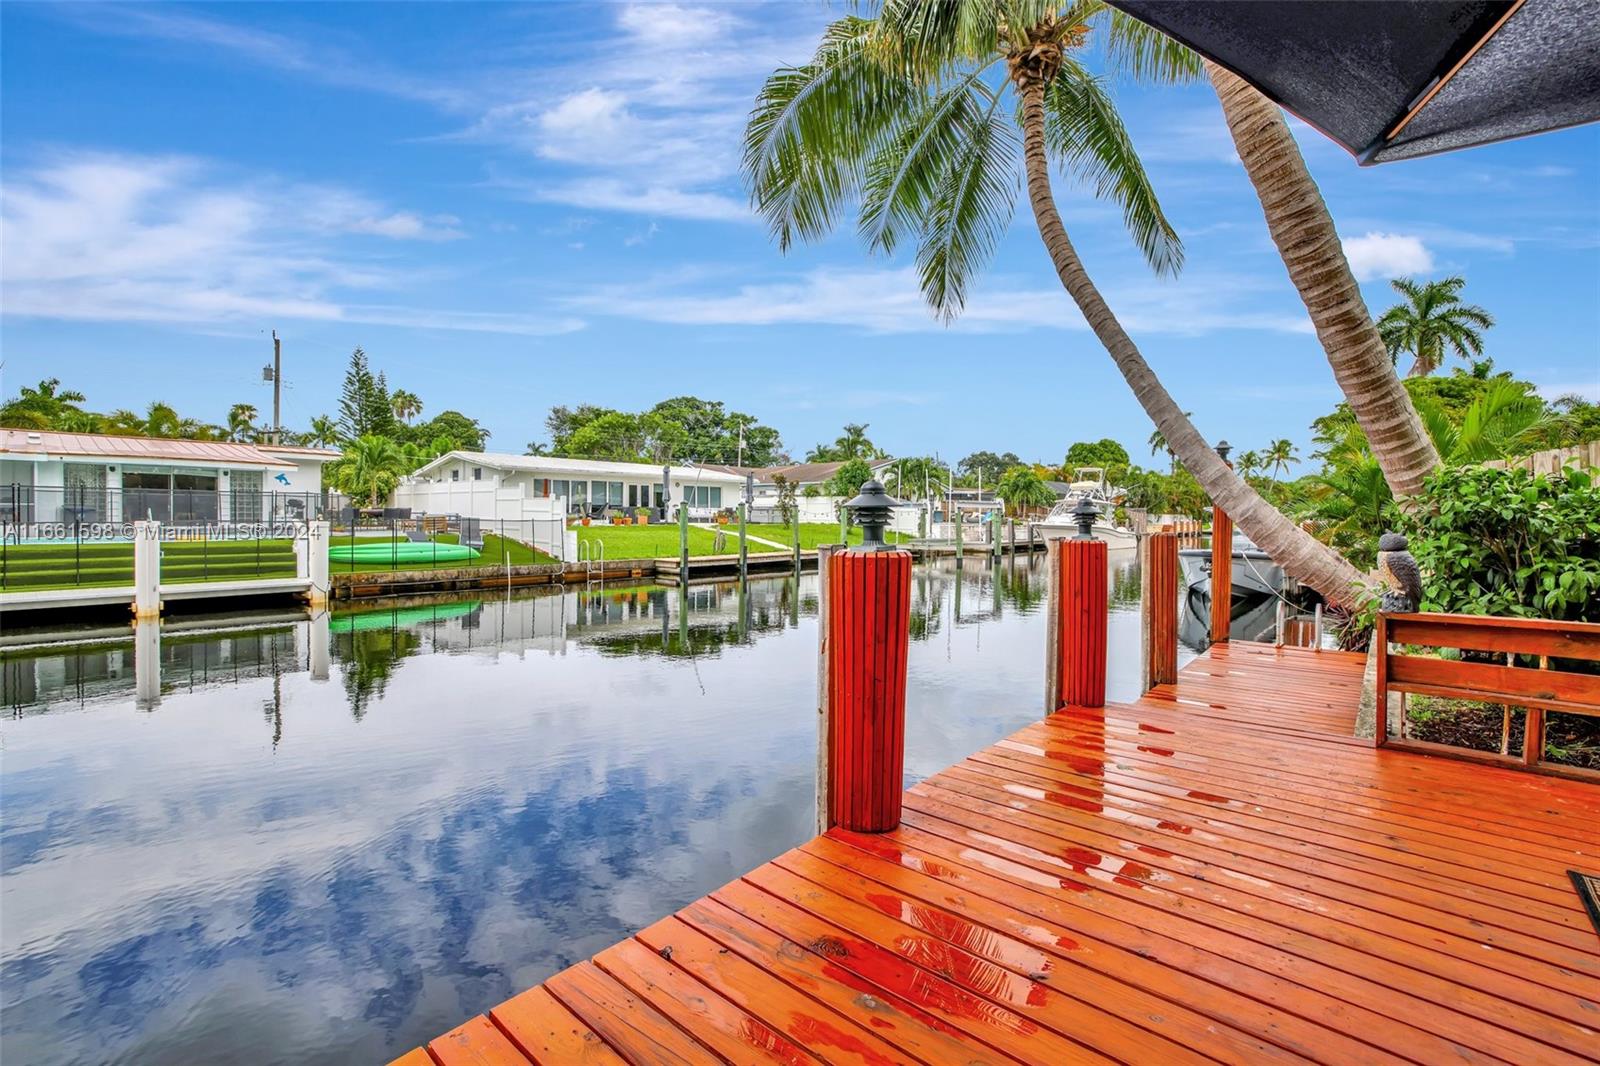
[[1158, 444], [161, 420], [41, 407], [905, 114], [370, 469], [242, 421], [1301, 227], [1279, 454], [406, 405], [324, 432], [1021, 487], [1431, 320]]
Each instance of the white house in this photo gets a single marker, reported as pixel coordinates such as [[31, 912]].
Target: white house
[[50, 477], [575, 486]]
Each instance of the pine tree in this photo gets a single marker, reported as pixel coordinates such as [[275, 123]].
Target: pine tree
[[353, 400]]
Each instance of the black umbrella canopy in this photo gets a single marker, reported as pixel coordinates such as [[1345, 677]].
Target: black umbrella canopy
[[1395, 79]]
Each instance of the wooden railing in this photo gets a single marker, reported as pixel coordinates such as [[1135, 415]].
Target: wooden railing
[[1537, 689]]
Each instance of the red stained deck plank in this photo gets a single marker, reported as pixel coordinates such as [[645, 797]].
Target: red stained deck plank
[[1218, 871]]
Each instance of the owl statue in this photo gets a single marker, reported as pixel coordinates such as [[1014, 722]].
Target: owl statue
[[1402, 580]]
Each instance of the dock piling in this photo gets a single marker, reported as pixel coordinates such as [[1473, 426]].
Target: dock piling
[[866, 633], [1158, 591], [683, 543], [146, 570], [1221, 565], [1076, 656]]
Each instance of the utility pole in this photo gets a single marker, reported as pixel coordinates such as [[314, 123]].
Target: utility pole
[[277, 389], [741, 453]]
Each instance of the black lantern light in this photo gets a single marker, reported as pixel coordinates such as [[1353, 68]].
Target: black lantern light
[[871, 511], [1085, 514], [1223, 448]]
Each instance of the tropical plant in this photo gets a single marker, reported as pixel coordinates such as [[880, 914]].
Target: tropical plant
[[1104, 452], [1158, 444], [788, 510], [370, 469], [848, 479], [40, 407], [1022, 488], [1279, 454], [1508, 542], [324, 433], [853, 443], [405, 405], [1248, 463], [1308, 242], [1432, 322], [242, 422]]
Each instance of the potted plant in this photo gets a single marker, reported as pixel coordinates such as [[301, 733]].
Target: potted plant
[[642, 517], [584, 520]]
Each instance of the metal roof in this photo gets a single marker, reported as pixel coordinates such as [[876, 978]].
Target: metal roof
[[113, 448]]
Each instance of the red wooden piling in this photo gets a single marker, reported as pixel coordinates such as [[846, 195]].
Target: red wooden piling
[[1159, 590], [869, 614], [1080, 603], [1221, 575]]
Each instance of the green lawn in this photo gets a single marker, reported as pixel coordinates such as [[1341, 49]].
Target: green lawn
[[28, 567], [660, 541]]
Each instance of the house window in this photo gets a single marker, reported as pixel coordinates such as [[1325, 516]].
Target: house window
[[560, 488], [455, 474], [597, 491], [580, 494], [633, 495], [616, 493], [477, 473]]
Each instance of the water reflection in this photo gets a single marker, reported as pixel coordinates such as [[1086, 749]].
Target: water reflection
[[326, 838]]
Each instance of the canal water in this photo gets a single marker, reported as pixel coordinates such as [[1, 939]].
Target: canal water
[[264, 839]]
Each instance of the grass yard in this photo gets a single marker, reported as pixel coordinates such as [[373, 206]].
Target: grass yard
[[28, 567], [660, 542]]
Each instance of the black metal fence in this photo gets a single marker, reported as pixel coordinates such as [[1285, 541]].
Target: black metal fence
[[395, 539]]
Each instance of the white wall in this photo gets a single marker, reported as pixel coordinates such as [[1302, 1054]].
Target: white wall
[[536, 520]]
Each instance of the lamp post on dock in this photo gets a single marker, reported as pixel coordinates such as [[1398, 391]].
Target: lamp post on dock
[[865, 638]]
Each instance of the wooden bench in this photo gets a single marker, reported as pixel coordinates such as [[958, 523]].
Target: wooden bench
[[1538, 689]]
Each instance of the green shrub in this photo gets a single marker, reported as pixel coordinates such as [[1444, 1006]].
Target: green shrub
[[1508, 542]]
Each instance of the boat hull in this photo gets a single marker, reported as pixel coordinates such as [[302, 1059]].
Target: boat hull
[[1115, 539]]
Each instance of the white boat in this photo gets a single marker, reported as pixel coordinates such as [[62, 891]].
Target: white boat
[[1089, 483], [1254, 573]]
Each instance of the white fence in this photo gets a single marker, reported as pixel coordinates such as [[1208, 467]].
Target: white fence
[[536, 520]]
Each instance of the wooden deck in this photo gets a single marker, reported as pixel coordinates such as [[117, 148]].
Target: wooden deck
[[1218, 872]]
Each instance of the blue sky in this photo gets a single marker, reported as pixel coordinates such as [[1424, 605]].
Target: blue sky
[[511, 207]]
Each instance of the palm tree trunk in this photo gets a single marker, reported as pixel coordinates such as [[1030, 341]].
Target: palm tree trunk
[[1299, 553], [1303, 230]]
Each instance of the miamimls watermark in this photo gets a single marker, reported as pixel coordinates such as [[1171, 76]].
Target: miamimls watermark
[[113, 532]]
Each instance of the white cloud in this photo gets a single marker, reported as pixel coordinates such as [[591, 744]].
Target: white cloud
[[170, 239], [890, 301], [1387, 255], [661, 201]]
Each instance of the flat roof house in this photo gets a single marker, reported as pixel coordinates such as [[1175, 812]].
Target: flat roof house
[[586, 485], [50, 477]]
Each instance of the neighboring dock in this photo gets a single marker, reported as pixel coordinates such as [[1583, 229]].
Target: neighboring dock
[[1218, 871]]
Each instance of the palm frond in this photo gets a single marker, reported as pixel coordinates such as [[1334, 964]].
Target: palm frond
[[1084, 131], [1146, 54], [970, 211], [906, 172], [813, 127]]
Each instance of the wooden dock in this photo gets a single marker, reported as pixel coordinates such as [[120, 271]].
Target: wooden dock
[[1216, 872]]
